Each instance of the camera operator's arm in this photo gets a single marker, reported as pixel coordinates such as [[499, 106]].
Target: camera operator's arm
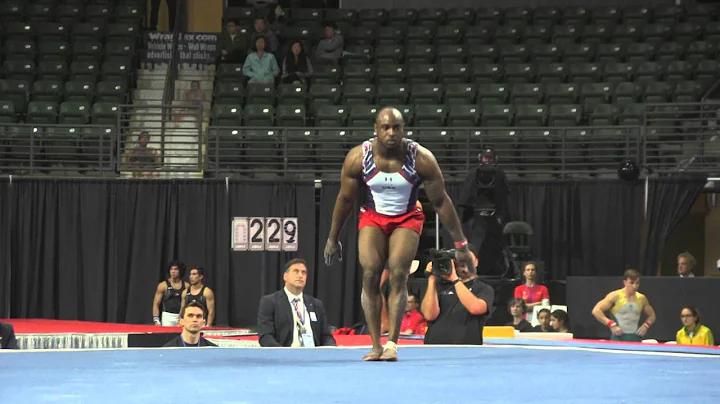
[[473, 304], [430, 306]]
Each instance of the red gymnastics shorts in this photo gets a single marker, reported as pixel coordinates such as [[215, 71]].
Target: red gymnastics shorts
[[413, 220]]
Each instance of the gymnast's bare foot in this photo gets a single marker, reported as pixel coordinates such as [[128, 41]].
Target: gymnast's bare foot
[[390, 353], [374, 355]]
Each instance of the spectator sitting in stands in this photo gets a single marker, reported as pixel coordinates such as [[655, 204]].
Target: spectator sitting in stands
[[686, 265], [532, 293], [517, 310], [192, 320], [7, 337], [296, 67], [143, 160], [194, 95], [232, 44], [413, 322], [560, 321], [693, 333], [262, 31], [544, 320], [330, 49], [260, 66]]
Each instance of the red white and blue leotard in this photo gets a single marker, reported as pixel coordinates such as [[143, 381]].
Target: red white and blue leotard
[[392, 199]]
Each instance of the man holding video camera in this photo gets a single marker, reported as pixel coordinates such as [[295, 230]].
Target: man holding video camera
[[456, 303]]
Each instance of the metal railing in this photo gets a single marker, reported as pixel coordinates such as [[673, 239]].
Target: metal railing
[[320, 151], [32, 149], [173, 143], [682, 137]]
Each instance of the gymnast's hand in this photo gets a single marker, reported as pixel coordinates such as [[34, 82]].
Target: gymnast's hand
[[333, 249], [464, 257]]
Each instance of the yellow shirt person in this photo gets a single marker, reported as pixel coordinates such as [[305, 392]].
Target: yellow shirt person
[[700, 336]]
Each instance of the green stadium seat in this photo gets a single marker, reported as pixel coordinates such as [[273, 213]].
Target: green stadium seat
[[361, 54], [229, 93], [18, 31], [639, 52], [47, 90], [711, 31], [230, 72], [514, 54], [119, 49], [460, 93], [111, 91], [657, 92], [546, 53], [259, 115], [606, 15], [292, 94], [480, 54], [428, 115], [679, 70], [535, 35], [372, 16], [461, 16], [688, 91], [649, 71], [506, 35], [527, 94], [306, 15], [699, 50], [565, 115], [565, 35], [390, 73], [604, 115], [359, 73], [487, 73], [700, 13], [656, 33], [449, 34], [7, 112], [624, 34], [402, 16], [618, 72], [363, 116], [669, 15], [493, 93], [88, 50], [636, 15], [631, 114], [707, 70], [305, 34], [477, 35], [324, 94], [561, 93], [42, 112], [419, 35], [98, 13], [82, 91], [420, 54], [609, 53], [20, 50], [116, 71], [585, 72], [669, 51], [332, 116], [19, 70], [422, 73], [451, 53], [627, 93], [390, 35], [485, 15], [104, 113], [426, 93], [575, 16], [12, 10], [359, 94], [392, 93], [259, 94], [497, 115], [389, 54], [362, 35], [53, 31], [551, 73], [87, 31], [326, 74], [68, 13], [52, 70], [454, 73], [547, 15], [519, 16], [592, 94], [227, 115], [530, 115], [74, 113], [289, 115], [519, 73], [432, 16], [53, 50], [596, 33], [128, 14], [17, 92], [466, 115], [578, 53]]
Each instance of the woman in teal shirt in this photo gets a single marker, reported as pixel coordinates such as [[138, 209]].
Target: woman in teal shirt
[[261, 67]]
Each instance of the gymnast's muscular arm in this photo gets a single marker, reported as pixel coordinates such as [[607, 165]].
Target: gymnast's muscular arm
[[159, 292], [429, 171], [603, 306], [349, 187], [210, 299]]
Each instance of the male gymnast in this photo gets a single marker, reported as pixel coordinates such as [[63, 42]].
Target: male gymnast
[[392, 168]]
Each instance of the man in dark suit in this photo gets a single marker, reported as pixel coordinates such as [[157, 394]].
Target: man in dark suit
[[192, 320], [291, 318], [7, 337]]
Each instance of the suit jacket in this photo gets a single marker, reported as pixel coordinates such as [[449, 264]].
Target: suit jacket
[[275, 321], [7, 337]]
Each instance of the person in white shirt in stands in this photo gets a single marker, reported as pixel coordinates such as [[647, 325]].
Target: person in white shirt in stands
[[291, 318], [686, 265]]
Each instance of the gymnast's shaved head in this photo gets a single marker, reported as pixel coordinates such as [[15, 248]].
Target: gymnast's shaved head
[[390, 128]]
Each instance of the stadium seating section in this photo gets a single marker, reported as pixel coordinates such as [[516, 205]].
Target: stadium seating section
[[67, 61], [486, 66]]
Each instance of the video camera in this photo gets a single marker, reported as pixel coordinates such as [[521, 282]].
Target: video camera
[[442, 261]]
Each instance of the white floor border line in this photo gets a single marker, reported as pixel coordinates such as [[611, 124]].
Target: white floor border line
[[401, 347]]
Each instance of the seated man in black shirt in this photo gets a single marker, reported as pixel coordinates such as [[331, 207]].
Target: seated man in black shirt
[[457, 307], [7, 337], [192, 319]]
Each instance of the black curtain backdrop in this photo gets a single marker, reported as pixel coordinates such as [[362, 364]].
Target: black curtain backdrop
[[582, 228], [340, 285], [669, 200], [95, 250], [5, 286]]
